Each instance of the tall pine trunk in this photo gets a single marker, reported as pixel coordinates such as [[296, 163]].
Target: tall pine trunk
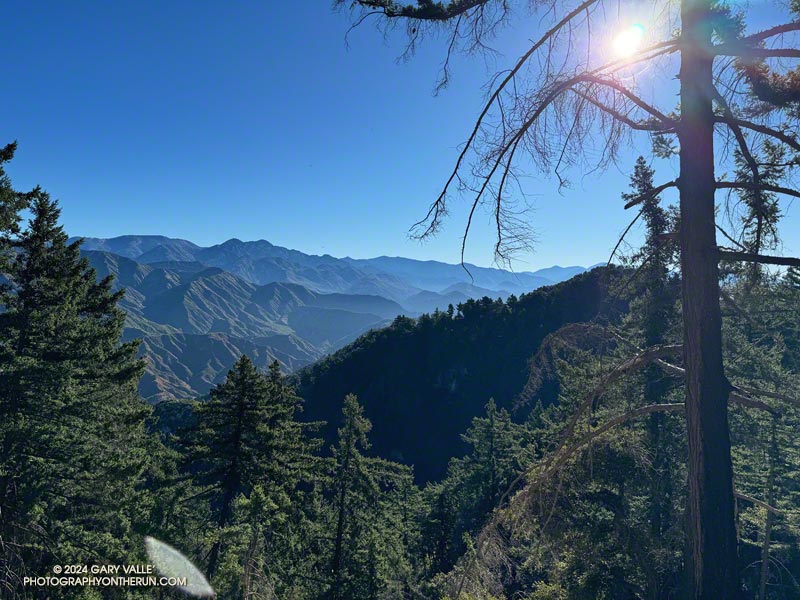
[[713, 571]]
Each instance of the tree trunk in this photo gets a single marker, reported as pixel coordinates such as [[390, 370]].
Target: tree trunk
[[713, 571]]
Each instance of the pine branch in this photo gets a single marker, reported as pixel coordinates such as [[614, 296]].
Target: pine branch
[[755, 53], [731, 121], [757, 502], [654, 192], [423, 11], [651, 126], [772, 32], [744, 185], [759, 258]]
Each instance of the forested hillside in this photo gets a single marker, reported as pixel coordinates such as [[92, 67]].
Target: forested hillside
[[422, 381]]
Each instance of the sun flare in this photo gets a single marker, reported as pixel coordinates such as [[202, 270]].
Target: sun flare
[[629, 40]]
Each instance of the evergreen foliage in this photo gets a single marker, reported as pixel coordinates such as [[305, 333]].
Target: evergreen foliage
[[433, 375], [247, 455], [367, 554], [72, 428]]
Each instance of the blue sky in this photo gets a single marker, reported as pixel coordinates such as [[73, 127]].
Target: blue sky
[[211, 120]]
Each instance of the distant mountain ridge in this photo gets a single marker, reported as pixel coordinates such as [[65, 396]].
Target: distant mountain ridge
[[262, 262], [198, 308]]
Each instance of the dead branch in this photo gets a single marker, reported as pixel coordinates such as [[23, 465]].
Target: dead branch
[[745, 185], [736, 395], [743, 400], [438, 208], [759, 258], [775, 133], [728, 236], [654, 192], [754, 53], [774, 395], [643, 358], [622, 237], [557, 460], [651, 126], [757, 502], [666, 122]]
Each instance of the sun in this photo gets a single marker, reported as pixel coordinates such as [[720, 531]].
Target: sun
[[629, 40]]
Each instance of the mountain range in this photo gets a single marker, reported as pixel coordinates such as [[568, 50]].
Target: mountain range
[[197, 309]]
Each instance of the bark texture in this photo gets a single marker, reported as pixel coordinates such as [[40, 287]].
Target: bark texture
[[713, 569]]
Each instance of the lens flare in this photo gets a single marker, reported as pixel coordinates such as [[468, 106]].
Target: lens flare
[[629, 41]]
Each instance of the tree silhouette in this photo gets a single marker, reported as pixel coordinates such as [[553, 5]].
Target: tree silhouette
[[560, 106]]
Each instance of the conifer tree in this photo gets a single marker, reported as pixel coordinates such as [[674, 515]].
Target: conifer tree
[[247, 454], [759, 223], [494, 460], [11, 203], [654, 317], [71, 422], [475, 483], [367, 552]]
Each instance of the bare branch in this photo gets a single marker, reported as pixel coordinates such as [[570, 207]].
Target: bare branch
[[727, 235], [643, 358], [553, 465], [744, 185], [753, 53], [736, 395], [652, 193], [438, 208], [759, 258], [622, 237], [743, 400], [760, 503], [786, 139], [774, 395], [653, 126], [666, 121]]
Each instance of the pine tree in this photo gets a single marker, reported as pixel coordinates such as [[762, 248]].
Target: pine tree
[[654, 318], [247, 455], [367, 555], [485, 473], [792, 278], [71, 423], [12, 203], [762, 211]]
